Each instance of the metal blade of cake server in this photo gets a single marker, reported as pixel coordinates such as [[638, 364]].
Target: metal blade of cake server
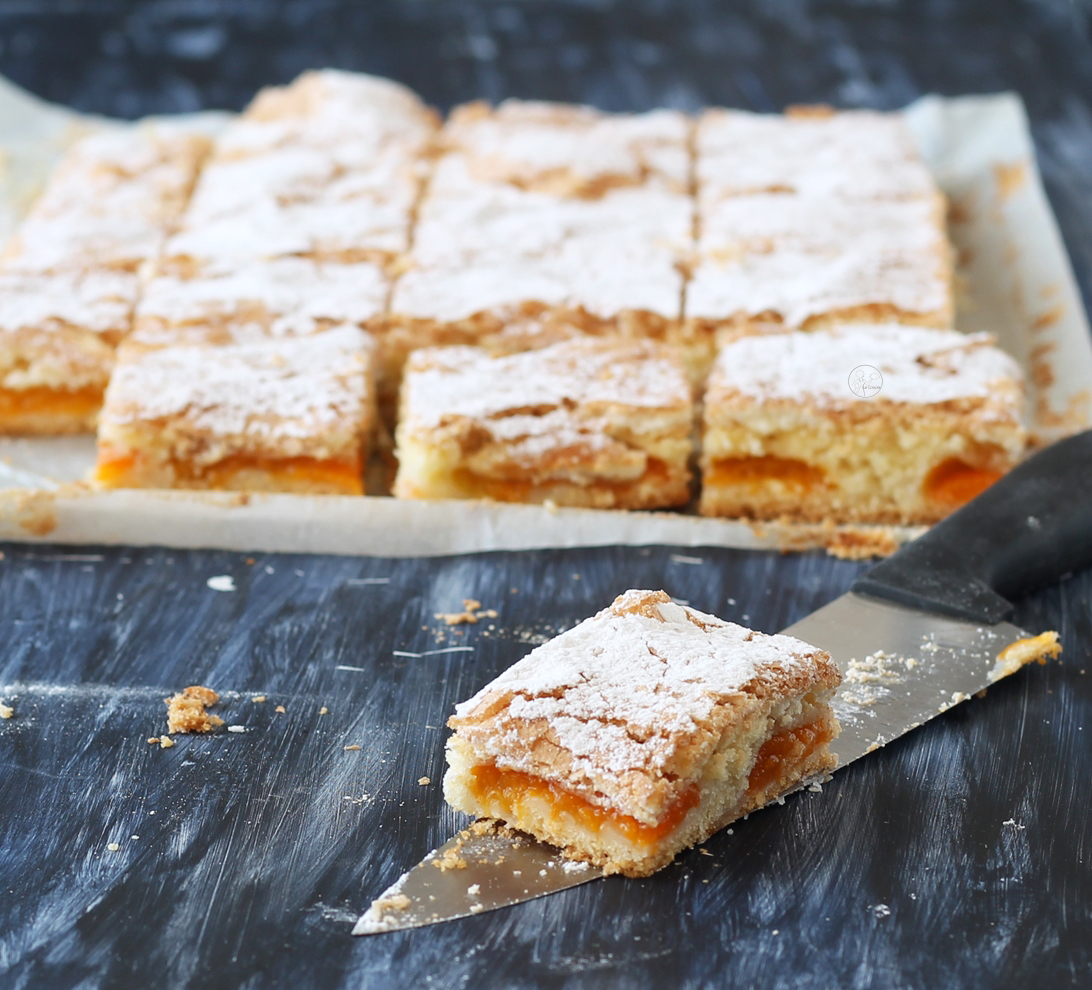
[[470, 874], [900, 666]]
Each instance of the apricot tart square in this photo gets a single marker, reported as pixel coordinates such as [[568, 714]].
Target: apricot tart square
[[598, 423], [858, 423], [289, 415], [642, 731]]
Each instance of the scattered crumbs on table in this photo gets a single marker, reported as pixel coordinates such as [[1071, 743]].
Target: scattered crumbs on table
[[134, 837], [236, 728], [424, 780], [471, 613], [6, 711], [476, 909], [113, 847], [258, 699], [186, 710], [348, 748], [280, 709], [704, 851], [221, 582], [1012, 823], [324, 710], [250, 562], [881, 910], [474, 889]]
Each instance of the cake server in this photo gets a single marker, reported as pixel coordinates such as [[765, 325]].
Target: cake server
[[918, 633]]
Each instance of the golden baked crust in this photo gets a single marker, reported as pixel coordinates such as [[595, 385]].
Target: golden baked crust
[[589, 422], [272, 415], [641, 731], [784, 434]]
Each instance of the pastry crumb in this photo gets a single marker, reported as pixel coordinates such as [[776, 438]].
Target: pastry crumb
[[324, 710], [186, 710], [472, 612], [424, 780], [6, 711], [165, 742], [258, 699], [280, 709], [236, 728], [350, 748], [113, 847]]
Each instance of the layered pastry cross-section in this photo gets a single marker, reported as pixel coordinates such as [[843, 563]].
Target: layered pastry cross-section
[[642, 731], [291, 415], [597, 422], [858, 423]]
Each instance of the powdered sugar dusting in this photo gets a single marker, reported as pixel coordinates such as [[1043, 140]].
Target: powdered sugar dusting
[[802, 256], [630, 673], [464, 381], [853, 154], [918, 364], [272, 391], [570, 149]]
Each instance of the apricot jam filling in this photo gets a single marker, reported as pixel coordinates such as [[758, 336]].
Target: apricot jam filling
[[81, 403], [756, 471], [786, 748], [505, 792], [506, 490], [954, 482], [342, 476]]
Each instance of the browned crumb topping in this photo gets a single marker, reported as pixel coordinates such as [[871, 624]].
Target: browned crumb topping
[[1023, 651], [186, 710], [450, 860], [472, 612]]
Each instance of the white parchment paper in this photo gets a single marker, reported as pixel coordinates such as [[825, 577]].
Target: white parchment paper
[[1014, 280]]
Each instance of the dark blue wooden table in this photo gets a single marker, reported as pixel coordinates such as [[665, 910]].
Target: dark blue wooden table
[[959, 856]]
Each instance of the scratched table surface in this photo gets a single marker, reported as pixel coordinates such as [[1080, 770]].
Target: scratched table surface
[[957, 856]]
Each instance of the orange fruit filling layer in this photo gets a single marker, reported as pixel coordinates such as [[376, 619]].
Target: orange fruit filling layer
[[503, 792], [78, 403], [786, 749], [343, 476], [755, 471], [508, 490], [954, 482]]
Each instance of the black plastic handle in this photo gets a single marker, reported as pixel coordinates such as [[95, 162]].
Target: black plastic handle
[[1028, 530]]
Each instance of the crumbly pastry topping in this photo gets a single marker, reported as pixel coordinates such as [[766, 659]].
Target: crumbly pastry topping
[[288, 397], [628, 692], [799, 257], [919, 365], [98, 302], [858, 154], [111, 202], [272, 298], [570, 150], [479, 247], [512, 391]]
